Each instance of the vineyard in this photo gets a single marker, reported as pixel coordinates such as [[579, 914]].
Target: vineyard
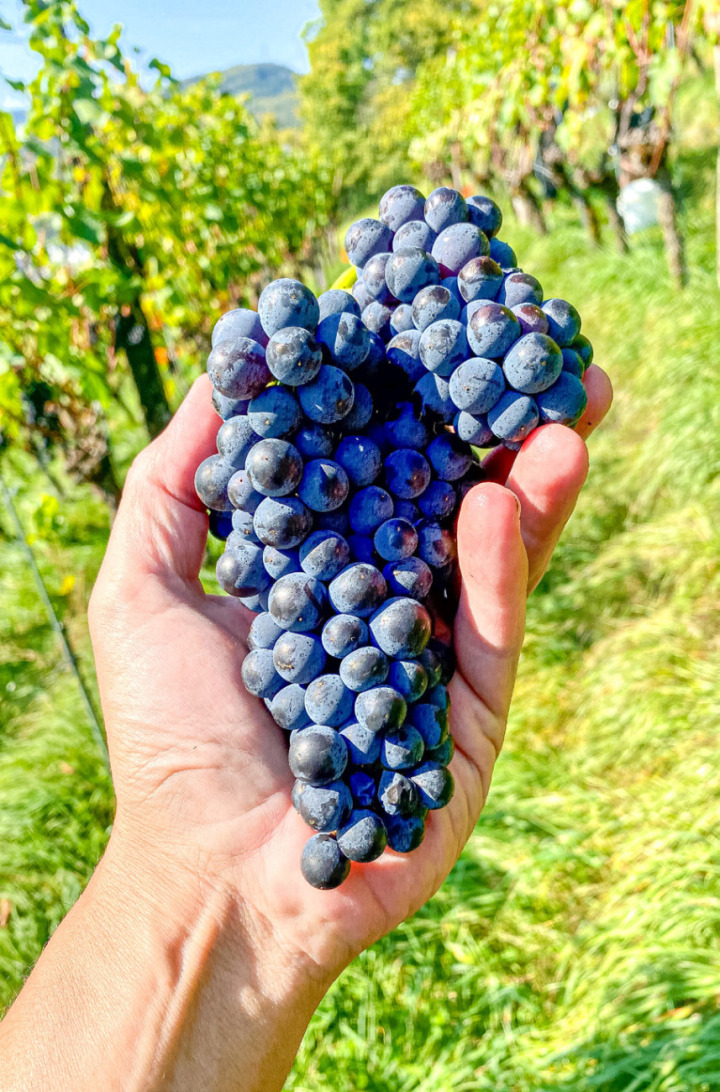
[[575, 945]]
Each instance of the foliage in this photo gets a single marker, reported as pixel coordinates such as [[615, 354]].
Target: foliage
[[492, 90], [130, 217], [356, 99]]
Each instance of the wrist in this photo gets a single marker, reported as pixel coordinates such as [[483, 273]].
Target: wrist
[[228, 980]]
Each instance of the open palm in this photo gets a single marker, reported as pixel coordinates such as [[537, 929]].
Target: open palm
[[200, 768]]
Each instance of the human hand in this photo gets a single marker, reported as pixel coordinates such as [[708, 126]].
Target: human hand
[[200, 768], [198, 953]]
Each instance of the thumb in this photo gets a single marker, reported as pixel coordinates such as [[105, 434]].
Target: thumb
[[161, 525]]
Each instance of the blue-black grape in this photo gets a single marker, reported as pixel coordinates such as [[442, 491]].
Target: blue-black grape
[[450, 459], [240, 322], [329, 397], [324, 807], [395, 539], [297, 602], [514, 417], [409, 270], [335, 301], [293, 356], [362, 410], [472, 429], [397, 794], [369, 508], [434, 784], [477, 384], [583, 348], [520, 288], [412, 577], [328, 701], [503, 254], [298, 657], [403, 351], [212, 479], [263, 632], [343, 633], [286, 302], [456, 245], [274, 467], [237, 368], [287, 708], [433, 393], [380, 709], [228, 407], [491, 330], [363, 836], [405, 430], [533, 363], [365, 238], [235, 438], [432, 303], [324, 554], [324, 485], [318, 754], [532, 318], [401, 204], [431, 722], [409, 678], [402, 748], [436, 545], [401, 319], [241, 571], [314, 442], [444, 207], [485, 214], [404, 833], [363, 745], [364, 668], [374, 277], [259, 675], [407, 474], [322, 863], [563, 321], [241, 492], [360, 458], [220, 524], [282, 522], [564, 403], [415, 233], [438, 501], [359, 589], [401, 628], [480, 279], [346, 338], [274, 413]]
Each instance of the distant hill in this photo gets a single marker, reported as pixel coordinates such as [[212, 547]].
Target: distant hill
[[271, 87]]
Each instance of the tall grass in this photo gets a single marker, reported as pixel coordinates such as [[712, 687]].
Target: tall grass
[[575, 945]]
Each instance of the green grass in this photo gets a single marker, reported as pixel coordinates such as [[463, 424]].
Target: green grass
[[575, 947]]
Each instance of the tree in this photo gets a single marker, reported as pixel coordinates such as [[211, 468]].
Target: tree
[[130, 217]]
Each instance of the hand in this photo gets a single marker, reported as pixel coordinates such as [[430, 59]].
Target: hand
[[197, 954], [200, 768]]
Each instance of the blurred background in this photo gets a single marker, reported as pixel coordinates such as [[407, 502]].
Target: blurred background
[[575, 946]]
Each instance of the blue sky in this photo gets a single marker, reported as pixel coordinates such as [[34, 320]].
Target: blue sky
[[193, 36]]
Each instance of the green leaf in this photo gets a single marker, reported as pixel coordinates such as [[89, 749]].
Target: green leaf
[[89, 111]]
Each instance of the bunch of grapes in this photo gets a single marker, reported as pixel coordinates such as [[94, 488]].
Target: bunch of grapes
[[347, 444]]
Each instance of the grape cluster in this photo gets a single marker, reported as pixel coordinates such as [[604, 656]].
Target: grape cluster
[[346, 446]]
